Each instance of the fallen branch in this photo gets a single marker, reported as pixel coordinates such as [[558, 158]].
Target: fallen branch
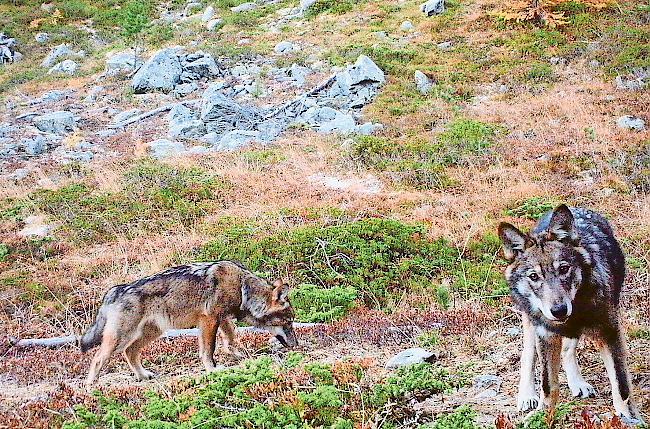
[[171, 333]]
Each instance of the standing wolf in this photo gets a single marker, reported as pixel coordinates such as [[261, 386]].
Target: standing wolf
[[566, 278], [208, 295]]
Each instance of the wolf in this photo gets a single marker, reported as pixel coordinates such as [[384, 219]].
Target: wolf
[[566, 278], [207, 295]]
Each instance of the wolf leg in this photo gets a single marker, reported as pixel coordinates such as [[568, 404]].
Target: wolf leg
[[207, 342], [549, 348], [527, 398], [229, 338], [106, 349], [132, 352], [613, 353], [579, 387]]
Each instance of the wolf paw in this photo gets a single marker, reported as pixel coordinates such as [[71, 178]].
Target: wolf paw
[[582, 389], [527, 402]]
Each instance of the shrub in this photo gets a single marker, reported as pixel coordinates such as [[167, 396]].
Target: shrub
[[314, 304], [463, 417], [532, 208]]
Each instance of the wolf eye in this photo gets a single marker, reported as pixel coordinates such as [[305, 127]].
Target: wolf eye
[[533, 276], [563, 269]]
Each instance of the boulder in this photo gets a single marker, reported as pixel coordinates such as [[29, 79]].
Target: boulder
[[422, 82], [124, 62], [68, 67], [223, 114], [628, 122], [410, 357], [237, 139], [184, 89], [184, 124], [163, 148], [306, 4], [244, 7], [35, 146], [55, 122], [93, 93], [433, 7], [214, 24], [127, 114], [285, 47], [406, 26], [358, 84], [60, 51], [197, 66], [208, 13], [160, 73]]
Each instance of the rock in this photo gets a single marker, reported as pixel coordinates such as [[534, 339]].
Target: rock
[[223, 114], [368, 185], [191, 7], [382, 35], [368, 128], [299, 74], [35, 226], [41, 37], [35, 146], [422, 82], [53, 96], [208, 13], [306, 4], [433, 7], [124, 62], [93, 93], [487, 393], [59, 51], [47, 7], [198, 66], [635, 81], [237, 139], [406, 26], [184, 124], [487, 381], [58, 122], [410, 357], [184, 89], [364, 69], [285, 47], [342, 123], [445, 45], [358, 84], [68, 67], [214, 24], [163, 148], [160, 73], [631, 123], [127, 114], [513, 332], [198, 150], [244, 7], [20, 174]]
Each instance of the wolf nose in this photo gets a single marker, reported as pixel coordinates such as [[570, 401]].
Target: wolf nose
[[559, 311]]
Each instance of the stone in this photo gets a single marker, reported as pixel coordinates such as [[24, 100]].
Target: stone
[[35, 226], [637, 80], [8, 52], [237, 139], [208, 13], [203, 66], [410, 357], [433, 7], [342, 123], [368, 128], [163, 148], [285, 47], [445, 45], [20, 174], [59, 51], [487, 381], [184, 124], [630, 123], [93, 93], [244, 7], [223, 114], [42, 37], [124, 62], [191, 7], [58, 122], [125, 115], [54, 96], [357, 85], [406, 26], [184, 89], [364, 69], [68, 67], [160, 73], [214, 24], [306, 4], [381, 35], [513, 331], [35, 146], [422, 82], [299, 74]]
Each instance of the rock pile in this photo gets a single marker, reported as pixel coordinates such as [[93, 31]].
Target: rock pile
[[8, 52]]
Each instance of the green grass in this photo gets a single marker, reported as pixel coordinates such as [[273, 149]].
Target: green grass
[[315, 304], [462, 417], [532, 208], [335, 7]]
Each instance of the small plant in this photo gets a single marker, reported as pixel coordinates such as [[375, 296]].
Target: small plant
[[336, 7], [532, 208], [135, 18], [463, 417], [4, 252], [429, 339], [315, 304]]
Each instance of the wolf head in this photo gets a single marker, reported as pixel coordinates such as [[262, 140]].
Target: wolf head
[[267, 306], [546, 269]]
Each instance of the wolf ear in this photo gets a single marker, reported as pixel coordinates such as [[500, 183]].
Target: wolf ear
[[514, 241], [280, 290], [561, 225]]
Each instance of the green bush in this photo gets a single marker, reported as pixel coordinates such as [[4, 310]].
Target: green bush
[[314, 304], [336, 7], [4, 252], [532, 208], [463, 417]]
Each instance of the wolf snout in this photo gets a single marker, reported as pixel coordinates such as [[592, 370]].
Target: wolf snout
[[560, 311]]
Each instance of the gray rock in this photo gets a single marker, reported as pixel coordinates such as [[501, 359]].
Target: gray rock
[[195, 68], [487, 393], [124, 62], [244, 7], [190, 8], [93, 93], [368, 128], [68, 67], [342, 123], [127, 114], [198, 150], [382, 35], [184, 89], [635, 81], [223, 114], [358, 84], [20, 174], [306, 4], [35, 146], [513, 332], [35, 226], [237, 139], [299, 74], [422, 82], [184, 124], [409, 357], [285, 47], [59, 51], [42, 37], [160, 73], [53, 96], [445, 45], [208, 13], [631, 123], [214, 24], [406, 26], [487, 381], [364, 69], [56, 122], [433, 7], [163, 148]]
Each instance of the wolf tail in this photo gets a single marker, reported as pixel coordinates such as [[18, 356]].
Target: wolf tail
[[93, 336]]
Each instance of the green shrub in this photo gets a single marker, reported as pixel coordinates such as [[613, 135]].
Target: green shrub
[[463, 417], [336, 7], [4, 252], [532, 208], [314, 304]]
